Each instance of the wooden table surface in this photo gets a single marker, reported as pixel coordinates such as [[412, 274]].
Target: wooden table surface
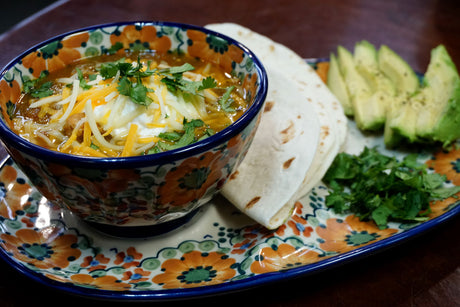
[[424, 271]]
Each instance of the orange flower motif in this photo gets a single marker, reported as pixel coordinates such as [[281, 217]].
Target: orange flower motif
[[141, 38], [322, 69], [56, 277], [282, 257], [95, 263], [98, 183], [234, 145], [129, 259], [43, 249], [297, 223], [55, 55], [447, 163], [196, 269], [102, 282], [138, 275], [250, 85], [10, 92], [342, 236], [14, 189], [213, 49], [191, 179]]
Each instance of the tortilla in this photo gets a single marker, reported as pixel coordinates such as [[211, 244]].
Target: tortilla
[[292, 79], [279, 157]]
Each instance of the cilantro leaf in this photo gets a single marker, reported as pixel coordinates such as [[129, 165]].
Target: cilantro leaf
[[180, 139], [177, 69], [136, 91], [108, 70], [82, 80], [208, 82], [31, 86], [172, 77], [225, 101]]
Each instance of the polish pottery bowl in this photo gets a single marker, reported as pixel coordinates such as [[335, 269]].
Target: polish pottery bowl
[[150, 193]]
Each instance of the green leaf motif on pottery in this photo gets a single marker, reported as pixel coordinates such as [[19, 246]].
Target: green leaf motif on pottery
[[360, 238], [217, 44], [51, 49]]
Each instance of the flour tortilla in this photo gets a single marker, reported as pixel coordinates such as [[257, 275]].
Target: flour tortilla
[[289, 76], [279, 157]]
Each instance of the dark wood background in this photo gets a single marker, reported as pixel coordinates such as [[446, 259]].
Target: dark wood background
[[424, 271]]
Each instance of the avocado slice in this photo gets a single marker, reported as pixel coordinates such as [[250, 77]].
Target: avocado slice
[[432, 114], [439, 119], [398, 71], [359, 90], [337, 85], [400, 119], [383, 89]]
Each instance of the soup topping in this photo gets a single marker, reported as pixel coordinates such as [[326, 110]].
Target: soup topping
[[139, 104]]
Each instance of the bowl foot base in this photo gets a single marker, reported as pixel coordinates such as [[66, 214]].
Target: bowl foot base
[[143, 231]]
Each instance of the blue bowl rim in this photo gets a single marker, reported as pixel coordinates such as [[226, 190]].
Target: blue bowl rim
[[9, 138]]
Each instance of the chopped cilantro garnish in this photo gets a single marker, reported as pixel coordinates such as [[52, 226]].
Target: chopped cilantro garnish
[[380, 188], [225, 101], [31, 86], [130, 83], [175, 81], [136, 91], [82, 80], [177, 139]]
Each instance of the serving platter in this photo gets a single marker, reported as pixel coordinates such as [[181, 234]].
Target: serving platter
[[219, 250]]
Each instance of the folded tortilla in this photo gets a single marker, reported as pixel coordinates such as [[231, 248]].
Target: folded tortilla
[[262, 187]]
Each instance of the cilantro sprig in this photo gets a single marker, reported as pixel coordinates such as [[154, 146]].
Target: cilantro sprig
[[381, 188], [176, 139], [173, 78], [130, 83]]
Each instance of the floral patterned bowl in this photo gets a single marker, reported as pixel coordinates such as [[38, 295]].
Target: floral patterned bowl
[[131, 193]]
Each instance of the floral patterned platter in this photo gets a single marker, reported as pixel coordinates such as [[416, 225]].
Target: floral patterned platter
[[218, 250]]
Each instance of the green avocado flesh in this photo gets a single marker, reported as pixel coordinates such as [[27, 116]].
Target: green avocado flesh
[[382, 92]]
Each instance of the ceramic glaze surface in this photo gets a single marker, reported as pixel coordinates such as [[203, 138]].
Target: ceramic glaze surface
[[143, 190], [219, 250]]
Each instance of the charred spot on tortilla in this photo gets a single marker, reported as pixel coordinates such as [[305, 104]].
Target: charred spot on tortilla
[[288, 163], [268, 106], [288, 133], [252, 202], [325, 131], [233, 176]]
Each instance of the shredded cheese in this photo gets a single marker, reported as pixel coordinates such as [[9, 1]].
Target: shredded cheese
[[113, 124], [73, 100], [95, 130], [130, 141]]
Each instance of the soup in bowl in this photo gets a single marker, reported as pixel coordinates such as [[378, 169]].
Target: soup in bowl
[[130, 125]]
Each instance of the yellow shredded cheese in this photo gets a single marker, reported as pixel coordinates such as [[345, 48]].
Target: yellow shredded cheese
[[130, 141]]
